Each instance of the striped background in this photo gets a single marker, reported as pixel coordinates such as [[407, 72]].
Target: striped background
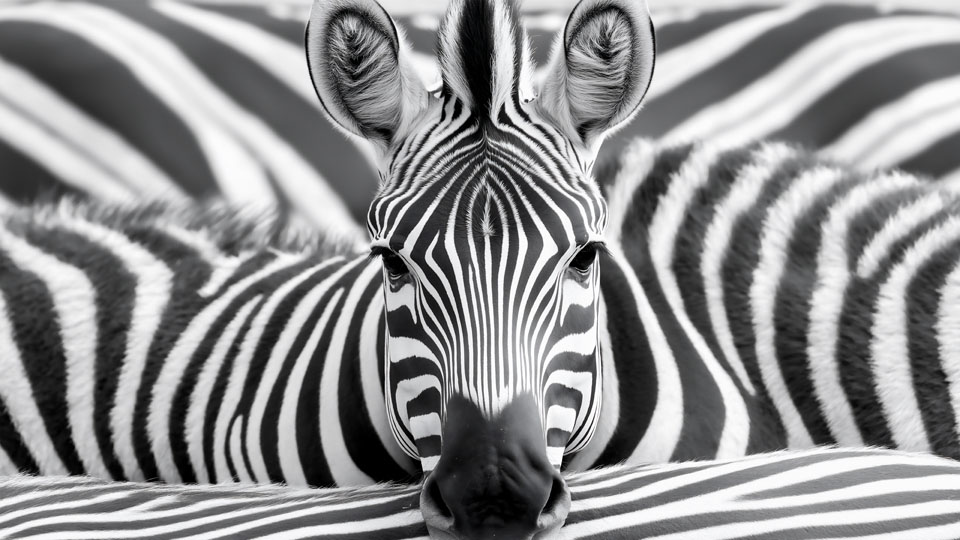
[[127, 98]]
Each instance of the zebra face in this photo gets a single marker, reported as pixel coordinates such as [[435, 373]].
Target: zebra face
[[487, 224]]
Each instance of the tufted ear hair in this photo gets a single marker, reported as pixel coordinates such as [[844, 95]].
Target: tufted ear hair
[[600, 68], [360, 65]]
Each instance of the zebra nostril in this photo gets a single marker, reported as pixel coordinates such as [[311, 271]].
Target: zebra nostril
[[555, 511], [436, 513]]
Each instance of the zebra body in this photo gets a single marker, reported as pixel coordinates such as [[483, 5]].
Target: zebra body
[[810, 494], [827, 294], [152, 343]]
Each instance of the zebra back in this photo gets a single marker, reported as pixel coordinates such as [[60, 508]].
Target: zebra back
[[813, 494]]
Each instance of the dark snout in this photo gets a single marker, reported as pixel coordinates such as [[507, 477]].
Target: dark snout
[[493, 479]]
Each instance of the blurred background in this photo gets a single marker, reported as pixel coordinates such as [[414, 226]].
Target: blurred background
[[136, 99]]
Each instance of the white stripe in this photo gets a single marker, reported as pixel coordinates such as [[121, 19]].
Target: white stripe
[[163, 70], [7, 466], [716, 245], [236, 452], [610, 405], [288, 448], [199, 399], [890, 360], [952, 180], [371, 356], [151, 294], [293, 327], [778, 230], [74, 303], [672, 208], [772, 101], [562, 418], [861, 142], [897, 227], [914, 138], [686, 61], [826, 304], [110, 151], [342, 467], [663, 433], [948, 334], [426, 425], [54, 155], [164, 389], [17, 394]]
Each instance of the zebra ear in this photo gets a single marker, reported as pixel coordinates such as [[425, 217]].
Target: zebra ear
[[360, 65], [600, 68]]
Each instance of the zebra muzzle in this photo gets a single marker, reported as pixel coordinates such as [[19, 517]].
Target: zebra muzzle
[[493, 479]]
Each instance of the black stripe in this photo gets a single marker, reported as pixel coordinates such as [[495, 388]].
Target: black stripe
[[938, 159], [13, 445], [854, 329], [475, 54], [114, 288], [673, 35], [217, 393], [930, 383], [362, 441], [792, 305], [36, 334], [26, 180], [190, 273]]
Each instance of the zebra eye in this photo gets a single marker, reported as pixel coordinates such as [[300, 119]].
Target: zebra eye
[[584, 259], [391, 261]]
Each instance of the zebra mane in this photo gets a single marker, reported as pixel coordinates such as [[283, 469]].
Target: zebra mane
[[229, 228], [484, 54]]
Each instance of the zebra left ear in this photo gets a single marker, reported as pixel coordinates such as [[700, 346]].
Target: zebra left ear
[[600, 68], [359, 63]]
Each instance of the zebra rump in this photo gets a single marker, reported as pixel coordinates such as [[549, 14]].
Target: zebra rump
[[812, 495]]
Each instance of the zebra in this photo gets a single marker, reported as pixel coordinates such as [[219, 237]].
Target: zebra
[[219, 377], [244, 124], [816, 494]]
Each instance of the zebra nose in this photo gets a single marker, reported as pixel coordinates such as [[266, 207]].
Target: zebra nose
[[493, 478]]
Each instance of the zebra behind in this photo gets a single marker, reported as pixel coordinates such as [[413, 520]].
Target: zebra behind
[[819, 494]]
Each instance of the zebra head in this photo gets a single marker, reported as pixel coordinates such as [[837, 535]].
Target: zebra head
[[488, 225]]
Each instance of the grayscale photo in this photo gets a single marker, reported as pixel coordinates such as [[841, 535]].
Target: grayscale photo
[[480, 269]]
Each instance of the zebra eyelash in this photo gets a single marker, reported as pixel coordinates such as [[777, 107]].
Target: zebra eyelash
[[587, 256], [391, 261]]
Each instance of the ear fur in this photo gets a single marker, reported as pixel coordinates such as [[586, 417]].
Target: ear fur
[[359, 63], [600, 69]]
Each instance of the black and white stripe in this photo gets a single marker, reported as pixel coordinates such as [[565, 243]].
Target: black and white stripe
[[812, 494], [188, 345], [822, 296]]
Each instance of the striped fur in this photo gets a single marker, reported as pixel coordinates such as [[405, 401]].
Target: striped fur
[[802, 290], [187, 344], [74, 97], [812, 495]]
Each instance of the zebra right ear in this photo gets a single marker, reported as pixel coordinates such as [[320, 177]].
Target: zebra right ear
[[600, 68], [359, 63]]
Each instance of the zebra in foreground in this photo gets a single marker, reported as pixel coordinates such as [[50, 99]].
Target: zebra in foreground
[[820, 494], [236, 361]]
